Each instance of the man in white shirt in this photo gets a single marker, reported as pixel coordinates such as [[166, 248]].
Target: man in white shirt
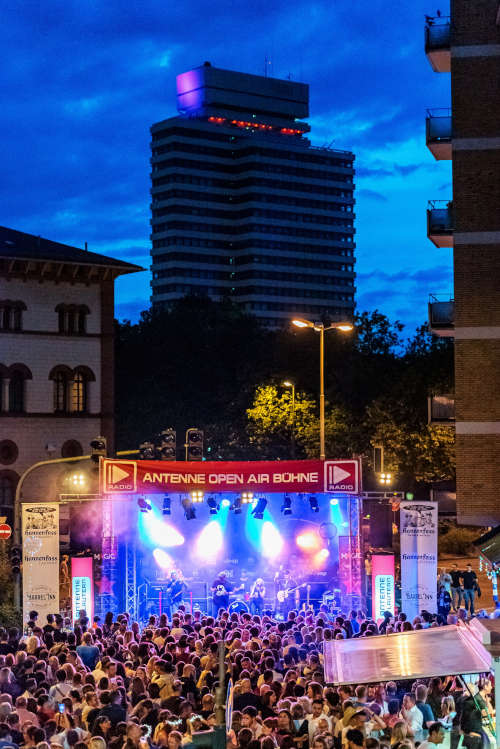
[[412, 716], [436, 737], [315, 716]]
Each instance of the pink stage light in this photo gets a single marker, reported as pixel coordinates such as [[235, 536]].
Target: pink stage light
[[271, 541], [308, 541]]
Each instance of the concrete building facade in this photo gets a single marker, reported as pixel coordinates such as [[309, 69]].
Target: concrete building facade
[[467, 45], [244, 207], [56, 352]]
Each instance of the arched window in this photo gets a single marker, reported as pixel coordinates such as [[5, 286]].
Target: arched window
[[71, 449], [72, 318], [60, 392], [11, 314], [16, 393], [61, 377], [79, 393]]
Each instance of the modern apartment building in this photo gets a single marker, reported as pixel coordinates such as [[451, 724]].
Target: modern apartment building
[[244, 207], [467, 45]]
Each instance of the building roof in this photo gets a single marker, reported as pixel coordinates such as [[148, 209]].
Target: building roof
[[18, 245]]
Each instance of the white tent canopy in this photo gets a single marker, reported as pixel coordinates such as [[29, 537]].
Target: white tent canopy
[[417, 654]]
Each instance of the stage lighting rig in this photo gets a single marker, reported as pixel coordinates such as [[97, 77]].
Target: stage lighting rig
[[212, 505], [258, 510], [196, 496], [385, 478], [286, 507], [143, 505], [236, 506], [166, 505], [313, 503], [246, 498], [189, 510], [147, 451]]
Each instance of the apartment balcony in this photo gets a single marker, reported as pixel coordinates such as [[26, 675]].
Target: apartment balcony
[[442, 316], [440, 222], [437, 43], [441, 409], [438, 133]]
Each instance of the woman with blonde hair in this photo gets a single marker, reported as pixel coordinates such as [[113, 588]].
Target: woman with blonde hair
[[399, 732]]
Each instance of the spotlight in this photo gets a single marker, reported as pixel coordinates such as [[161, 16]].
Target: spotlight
[[236, 506], [286, 507], [225, 503], [143, 505], [258, 510], [166, 505], [197, 496], [385, 478], [189, 510], [213, 506], [313, 503], [334, 501], [246, 498]]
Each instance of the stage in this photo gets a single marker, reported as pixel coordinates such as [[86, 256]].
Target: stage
[[252, 520]]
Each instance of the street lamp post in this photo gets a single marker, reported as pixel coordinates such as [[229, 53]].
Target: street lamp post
[[320, 328], [290, 384]]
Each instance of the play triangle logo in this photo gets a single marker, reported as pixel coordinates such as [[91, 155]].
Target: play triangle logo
[[342, 476], [339, 474], [120, 476]]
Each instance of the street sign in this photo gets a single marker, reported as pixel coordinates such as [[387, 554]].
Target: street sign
[[5, 531], [342, 476]]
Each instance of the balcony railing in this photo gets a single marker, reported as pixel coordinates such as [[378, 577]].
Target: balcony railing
[[438, 133], [441, 316], [440, 222], [441, 409], [437, 43]]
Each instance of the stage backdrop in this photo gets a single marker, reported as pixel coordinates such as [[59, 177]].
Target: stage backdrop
[[40, 559], [418, 533]]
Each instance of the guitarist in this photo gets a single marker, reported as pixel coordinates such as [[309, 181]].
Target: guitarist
[[221, 590], [174, 591], [284, 584]]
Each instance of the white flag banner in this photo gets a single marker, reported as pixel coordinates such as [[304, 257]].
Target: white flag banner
[[40, 559], [418, 527]]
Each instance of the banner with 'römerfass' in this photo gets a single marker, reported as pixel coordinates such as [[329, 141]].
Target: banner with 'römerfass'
[[418, 534], [40, 559]]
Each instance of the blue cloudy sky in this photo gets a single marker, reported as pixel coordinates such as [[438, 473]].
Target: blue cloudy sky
[[82, 80]]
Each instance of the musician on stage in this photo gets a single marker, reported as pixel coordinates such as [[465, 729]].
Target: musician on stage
[[257, 596], [174, 591], [284, 598], [221, 589]]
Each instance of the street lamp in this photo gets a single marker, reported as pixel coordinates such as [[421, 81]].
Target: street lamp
[[345, 327], [290, 384]]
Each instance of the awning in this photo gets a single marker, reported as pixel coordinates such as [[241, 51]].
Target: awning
[[424, 653]]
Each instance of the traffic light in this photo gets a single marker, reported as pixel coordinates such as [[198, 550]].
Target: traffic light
[[168, 445], [15, 560], [147, 451], [98, 449], [194, 444]]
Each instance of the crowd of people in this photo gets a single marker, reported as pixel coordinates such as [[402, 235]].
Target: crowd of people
[[125, 687]]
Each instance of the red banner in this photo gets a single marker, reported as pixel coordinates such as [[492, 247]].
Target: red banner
[[154, 476]]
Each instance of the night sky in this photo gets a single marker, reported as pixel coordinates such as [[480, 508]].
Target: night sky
[[82, 81]]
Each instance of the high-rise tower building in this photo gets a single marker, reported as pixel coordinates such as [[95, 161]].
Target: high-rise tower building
[[467, 45], [244, 207]]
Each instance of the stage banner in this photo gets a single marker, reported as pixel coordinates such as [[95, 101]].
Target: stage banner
[[383, 587], [40, 538], [418, 529], [82, 587], [149, 477]]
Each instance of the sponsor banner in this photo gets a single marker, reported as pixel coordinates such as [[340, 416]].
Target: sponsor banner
[[40, 543], [149, 477], [82, 590], [383, 588], [418, 534]]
